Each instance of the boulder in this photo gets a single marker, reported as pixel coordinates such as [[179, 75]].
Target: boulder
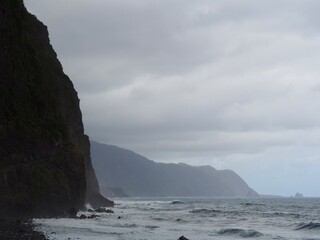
[[183, 238], [103, 210]]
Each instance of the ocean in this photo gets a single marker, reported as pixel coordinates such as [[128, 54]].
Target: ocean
[[194, 218]]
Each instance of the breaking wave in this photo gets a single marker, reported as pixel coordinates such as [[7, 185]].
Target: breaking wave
[[240, 232], [282, 214], [177, 202], [205, 211], [309, 226], [252, 204]]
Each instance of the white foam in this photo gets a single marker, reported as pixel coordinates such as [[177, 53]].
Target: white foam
[[159, 220], [138, 220]]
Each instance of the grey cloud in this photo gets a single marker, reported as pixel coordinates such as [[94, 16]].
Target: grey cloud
[[164, 38], [221, 82]]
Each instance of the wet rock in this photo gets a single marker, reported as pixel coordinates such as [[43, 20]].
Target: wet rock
[[104, 210], [82, 216], [16, 229], [183, 238], [100, 210], [72, 213]]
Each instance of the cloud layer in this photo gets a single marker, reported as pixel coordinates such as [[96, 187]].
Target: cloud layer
[[234, 84]]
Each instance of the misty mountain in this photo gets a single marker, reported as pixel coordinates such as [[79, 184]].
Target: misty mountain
[[139, 176]]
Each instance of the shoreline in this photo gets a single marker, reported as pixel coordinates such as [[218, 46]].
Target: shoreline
[[19, 229]]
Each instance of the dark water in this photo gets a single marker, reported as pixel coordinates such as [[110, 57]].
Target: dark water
[[198, 218]]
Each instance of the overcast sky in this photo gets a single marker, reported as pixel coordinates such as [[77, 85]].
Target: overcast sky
[[233, 84]]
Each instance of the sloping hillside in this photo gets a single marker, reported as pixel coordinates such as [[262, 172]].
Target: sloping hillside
[[139, 176]]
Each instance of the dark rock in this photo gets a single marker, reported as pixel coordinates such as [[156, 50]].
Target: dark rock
[[183, 238], [42, 165], [103, 210], [45, 165], [93, 216], [16, 229], [72, 213], [82, 216], [90, 210], [96, 200], [119, 217]]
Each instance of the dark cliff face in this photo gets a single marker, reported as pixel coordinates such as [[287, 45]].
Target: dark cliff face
[[93, 196], [44, 154]]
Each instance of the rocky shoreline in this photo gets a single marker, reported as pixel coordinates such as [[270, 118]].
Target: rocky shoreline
[[19, 229]]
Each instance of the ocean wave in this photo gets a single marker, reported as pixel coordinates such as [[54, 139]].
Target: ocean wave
[[151, 227], [252, 204], [158, 218], [309, 226], [125, 225], [205, 211], [280, 214], [177, 202], [214, 212], [180, 220], [240, 232]]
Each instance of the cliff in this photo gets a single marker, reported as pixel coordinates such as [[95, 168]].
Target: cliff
[[113, 192], [139, 176], [45, 166]]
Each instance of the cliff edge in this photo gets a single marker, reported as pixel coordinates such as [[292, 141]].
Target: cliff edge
[[45, 165]]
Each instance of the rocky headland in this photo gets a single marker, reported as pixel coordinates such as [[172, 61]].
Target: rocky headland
[[138, 176], [45, 165]]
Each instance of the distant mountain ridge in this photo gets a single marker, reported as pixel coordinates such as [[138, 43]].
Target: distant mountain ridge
[[141, 177]]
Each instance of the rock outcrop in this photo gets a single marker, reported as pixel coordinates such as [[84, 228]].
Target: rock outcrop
[[45, 166], [141, 177], [298, 195], [112, 192]]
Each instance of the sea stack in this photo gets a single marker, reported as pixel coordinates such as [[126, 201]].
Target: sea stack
[[45, 165]]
